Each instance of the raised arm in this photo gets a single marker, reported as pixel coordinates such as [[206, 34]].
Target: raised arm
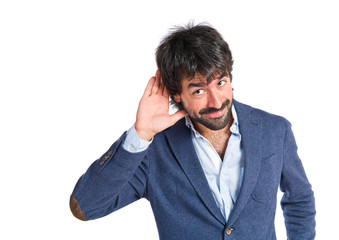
[[119, 176]]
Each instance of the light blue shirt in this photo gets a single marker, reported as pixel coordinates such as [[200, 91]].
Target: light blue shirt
[[223, 176]]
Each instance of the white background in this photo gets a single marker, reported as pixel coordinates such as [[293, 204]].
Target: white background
[[72, 73]]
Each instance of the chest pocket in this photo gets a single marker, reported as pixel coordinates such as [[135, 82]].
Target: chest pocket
[[268, 179]]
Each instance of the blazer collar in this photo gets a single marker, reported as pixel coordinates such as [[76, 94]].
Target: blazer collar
[[250, 124], [179, 139]]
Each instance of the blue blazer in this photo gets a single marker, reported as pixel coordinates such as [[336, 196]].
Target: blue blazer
[[170, 176]]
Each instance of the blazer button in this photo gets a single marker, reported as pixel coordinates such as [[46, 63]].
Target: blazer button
[[229, 231]]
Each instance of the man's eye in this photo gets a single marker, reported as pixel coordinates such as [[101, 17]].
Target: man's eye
[[197, 92], [221, 83]]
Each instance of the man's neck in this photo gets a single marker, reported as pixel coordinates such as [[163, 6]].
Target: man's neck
[[218, 138]]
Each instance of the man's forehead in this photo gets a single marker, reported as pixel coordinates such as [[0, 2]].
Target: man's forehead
[[199, 78], [196, 78]]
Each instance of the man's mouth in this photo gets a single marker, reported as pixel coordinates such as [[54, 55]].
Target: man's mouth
[[216, 114]]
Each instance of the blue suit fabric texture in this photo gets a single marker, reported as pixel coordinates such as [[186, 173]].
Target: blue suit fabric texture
[[168, 174]]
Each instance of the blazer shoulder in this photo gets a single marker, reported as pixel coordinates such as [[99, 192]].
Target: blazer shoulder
[[268, 119], [267, 116]]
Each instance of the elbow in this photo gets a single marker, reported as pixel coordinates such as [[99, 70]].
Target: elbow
[[76, 210]]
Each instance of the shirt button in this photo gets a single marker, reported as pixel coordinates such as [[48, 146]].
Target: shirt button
[[229, 206], [131, 148]]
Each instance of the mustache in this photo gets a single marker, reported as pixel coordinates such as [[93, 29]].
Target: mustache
[[212, 110]]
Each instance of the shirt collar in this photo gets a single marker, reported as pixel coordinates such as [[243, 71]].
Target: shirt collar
[[234, 128]]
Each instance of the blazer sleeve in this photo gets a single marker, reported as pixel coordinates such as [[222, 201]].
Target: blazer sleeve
[[113, 181], [298, 202]]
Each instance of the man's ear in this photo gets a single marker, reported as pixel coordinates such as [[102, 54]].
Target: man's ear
[[177, 98]]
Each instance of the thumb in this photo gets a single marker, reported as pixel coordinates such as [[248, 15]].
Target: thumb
[[177, 116]]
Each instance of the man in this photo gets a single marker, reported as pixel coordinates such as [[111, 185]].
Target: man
[[212, 169]]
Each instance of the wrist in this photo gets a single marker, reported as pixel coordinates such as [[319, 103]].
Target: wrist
[[143, 134]]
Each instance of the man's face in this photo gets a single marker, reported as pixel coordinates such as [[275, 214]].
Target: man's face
[[209, 104]]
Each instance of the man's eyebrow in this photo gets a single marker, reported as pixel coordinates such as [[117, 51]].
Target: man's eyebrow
[[195, 85], [202, 84], [224, 74]]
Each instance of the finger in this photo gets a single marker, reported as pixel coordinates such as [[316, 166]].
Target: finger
[[157, 74], [165, 92], [163, 88], [155, 87], [161, 84], [148, 89], [177, 116]]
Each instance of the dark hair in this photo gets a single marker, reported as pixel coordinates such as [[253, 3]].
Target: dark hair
[[189, 50]]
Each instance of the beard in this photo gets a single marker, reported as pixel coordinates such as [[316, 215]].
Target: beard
[[214, 124]]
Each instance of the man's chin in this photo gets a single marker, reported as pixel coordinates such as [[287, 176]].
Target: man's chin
[[217, 123], [214, 124]]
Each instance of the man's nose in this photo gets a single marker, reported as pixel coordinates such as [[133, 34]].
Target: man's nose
[[214, 101]]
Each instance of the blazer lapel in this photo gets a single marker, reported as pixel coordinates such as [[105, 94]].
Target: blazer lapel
[[179, 138], [251, 130]]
